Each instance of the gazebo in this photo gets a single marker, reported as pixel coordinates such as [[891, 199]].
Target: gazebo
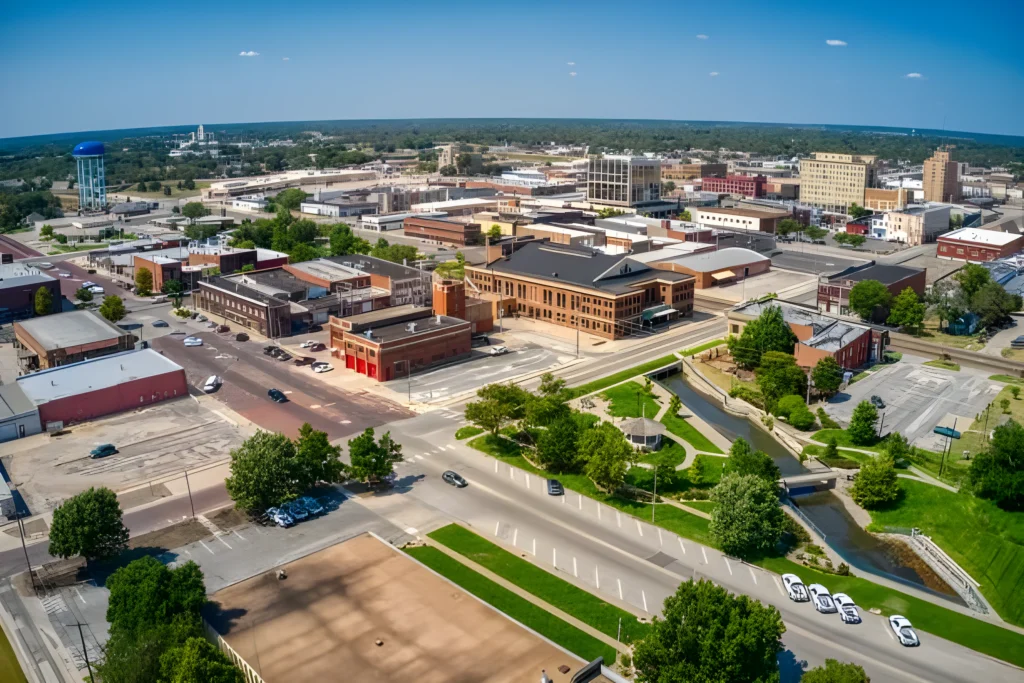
[[643, 432]]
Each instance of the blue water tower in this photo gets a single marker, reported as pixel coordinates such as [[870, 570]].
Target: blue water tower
[[92, 177]]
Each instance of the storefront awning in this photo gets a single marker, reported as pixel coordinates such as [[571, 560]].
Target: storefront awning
[[659, 311], [723, 275]]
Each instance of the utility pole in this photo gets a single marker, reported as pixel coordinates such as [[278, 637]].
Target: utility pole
[[880, 424], [28, 565], [949, 445], [189, 487], [654, 500], [85, 653]]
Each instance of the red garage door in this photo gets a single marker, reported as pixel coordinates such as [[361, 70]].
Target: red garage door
[[371, 370], [361, 366], [350, 362]]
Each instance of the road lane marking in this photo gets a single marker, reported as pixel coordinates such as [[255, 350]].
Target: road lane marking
[[597, 578], [554, 557], [515, 535], [618, 518], [704, 553], [528, 481], [888, 629], [535, 547], [644, 596], [619, 581], [418, 457], [495, 466], [779, 586], [753, 575], [563, 498], [681, 546], [574, 571], [511, 473], [639, 529], [660, 542], [79, 594], [598, 512], [581, 502], [450, 446], [497, 525], [727, 565], [411, 530], [207, 548], [315, 406]]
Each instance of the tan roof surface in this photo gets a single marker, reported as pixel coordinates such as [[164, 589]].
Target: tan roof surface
[[749, 213], [321, 622]]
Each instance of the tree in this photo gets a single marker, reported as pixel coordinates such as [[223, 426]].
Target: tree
[[167, 190], [868, 298], [862, 424], [487, 414], [46, 231], [291, 198], [971, 278], [997, 474], [876, 484], [448, 170], [744, 460], [608, 454], [113, 308], [768, 332], [200, 232], [850, 238], [143, 187], [88, 524], [247, 268], [814, 233], [907, 310], [947, 301], [193, 210], [897, 446], [827, 376], [706, 633], [698, 471], [1015, 390], [500, 405], [303, 252], [396, 253], [143, 282], [788, 226], [154, 186], [674, 405], [551, 385], [831, 449], [685, 216], [316, 460], [174, 289], [668, 187], [855, 211], [558, 446], [344, 242], [261, 472], [83, 295], [747, 520], [198, 661], [145, 594], [779, 375], [993, 304], [189, 184], [373, 460], [835, 671], [495, 232], [43, 302]]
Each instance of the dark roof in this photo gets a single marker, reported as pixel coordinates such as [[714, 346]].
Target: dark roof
[[385, 317], [377, 266], [275, 277], [615, 274], [885, 274], [390, 333]]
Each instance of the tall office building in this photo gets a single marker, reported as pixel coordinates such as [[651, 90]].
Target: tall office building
[[623, 181], [833, 182], [941, 177], [92, 177]]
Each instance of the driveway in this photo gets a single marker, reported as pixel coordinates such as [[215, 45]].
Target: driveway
[[1001, 340]]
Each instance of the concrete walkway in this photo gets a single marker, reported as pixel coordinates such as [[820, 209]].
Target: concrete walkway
[[918, 473], [684, 506]]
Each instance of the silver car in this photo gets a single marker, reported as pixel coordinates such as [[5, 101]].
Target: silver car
[[795, 588], [822, 599], [905, 633], [848, 611]]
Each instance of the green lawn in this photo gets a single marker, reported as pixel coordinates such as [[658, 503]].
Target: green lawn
[[622, 375], [973, 440], [630, 400], [983, 539], [847, 459], [694, 350], [10, 670], [1009, 379], [571, 638], [467, 431], [843, 439], [944, 364], [707, 506], [687, 432], [572, 600], [669, 455]]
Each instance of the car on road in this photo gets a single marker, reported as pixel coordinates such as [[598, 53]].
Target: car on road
[[63, 274], [315, 328], [96, 289], [795, 588], [877, 402], [322, 367], [905, 633], [280, 517], [1018, 343], [212, 383], [270, 350], [455, 479], [192, 341], [304, 360], [555, 488], [311, 505], [223, 328], [160, 323], [242, 337], [822, 598], [319, 346], [201, 318], [212, 325], [45, 265], [499, 350], [283, 356], [277, 396], [308, 343], [480, 340], [103, 450], [295, 510], [848, 611]]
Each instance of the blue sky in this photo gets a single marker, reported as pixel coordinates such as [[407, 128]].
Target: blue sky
[[86, 65]]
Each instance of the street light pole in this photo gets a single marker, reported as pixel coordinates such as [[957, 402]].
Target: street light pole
[[189, 487], [28, 565], [85, 654], [654, 500]]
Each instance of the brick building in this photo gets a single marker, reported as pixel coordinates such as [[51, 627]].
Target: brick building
[[720, 267], [748, 186], [752, 220], [66, 338], [974, 244], [19, 283], [445, 231], [834, 291], [671, 171]]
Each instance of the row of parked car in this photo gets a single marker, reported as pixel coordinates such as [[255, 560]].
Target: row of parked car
[[314, 364], [827, 603], [298, 510]]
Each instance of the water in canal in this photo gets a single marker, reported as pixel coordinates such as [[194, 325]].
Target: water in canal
[[857, 547]]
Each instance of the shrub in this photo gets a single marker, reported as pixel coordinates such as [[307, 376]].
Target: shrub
[[826, 421], [802, 418], [747, 394], [787, 404]]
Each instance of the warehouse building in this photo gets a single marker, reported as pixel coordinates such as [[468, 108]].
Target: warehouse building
[[443, 231], [975, 245], [710, 268], [19, 283], [102, 386], [19, 416], [66, 338]]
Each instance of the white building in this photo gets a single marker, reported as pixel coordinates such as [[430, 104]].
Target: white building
[[393, 221], [249, 202], [914, 225]]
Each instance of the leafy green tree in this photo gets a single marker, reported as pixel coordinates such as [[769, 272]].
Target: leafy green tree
[[200, 232], [291, 198], [174, 289], [500, 405], [744, 460], [373, 460], [947, 301], [247, 268], [907, 310], [788, 226], [541, 411], [814, 233], [167, 190], [316, 460], [83, 295], [551, 385], [344, 241], [997, 474], [698, 471], [396, 253], [43, 302], [487, 414], [558, 446], [113, 308], [876, 484], [971, 278], [303, 252], [46, 231], [831, 448], [869, 298], [146, 593], [668, 187], [768, 332], [88, 524], [494, 233], [827, 376], [747, 520], [143, 282], [154, 186], [802, 418], [608, 455], [685, 216], [1015, 390], [855, 211], [835, 671], [193, 210], [674, 405], [143, 187], [198, 661], [450, 169], [779, 375], [862, 424], [188, 184], [787, 404], [261, 471], [706, 633], [850, 239], [993, 304]]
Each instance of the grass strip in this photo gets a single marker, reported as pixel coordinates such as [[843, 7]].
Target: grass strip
[[688, 433], [622, 375], [525, 612], [10, 669], [694, 350], [467, 431], [630, 399], [571, 599], [1009, 379], [944, 364]]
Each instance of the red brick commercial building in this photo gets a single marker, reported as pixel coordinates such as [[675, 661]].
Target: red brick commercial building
[[974, 244], [102, 386], [746, 185], [65, 338], [440, 230], [834, 292], [721, 267]]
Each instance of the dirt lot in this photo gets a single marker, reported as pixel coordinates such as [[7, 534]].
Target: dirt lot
[[161, 440], [324, 618]]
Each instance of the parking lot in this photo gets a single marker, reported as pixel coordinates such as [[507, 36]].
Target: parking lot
[[164, 439], [810, 261], [918, 397]]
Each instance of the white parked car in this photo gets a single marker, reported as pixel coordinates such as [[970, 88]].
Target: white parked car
[[96, 289], [822, 598], [306, 344], [905, 633], [64, 274], [795, 588], [848, 611], [45, 265], [322, 367], [193, 341], [499, 351], [213, 382]]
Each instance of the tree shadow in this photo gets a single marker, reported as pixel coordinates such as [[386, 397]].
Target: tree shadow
[[223, 620], [100, 570], [791, 669]]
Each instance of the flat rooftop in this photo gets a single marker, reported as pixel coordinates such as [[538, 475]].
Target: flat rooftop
[[746, 213], [95, 374], [730, 257], [321, 624], [886, 274], [412, 328], [990, 237], [74, 328]]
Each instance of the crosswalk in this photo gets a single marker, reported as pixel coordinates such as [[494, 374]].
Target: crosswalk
[[449, 414], [411, 458]]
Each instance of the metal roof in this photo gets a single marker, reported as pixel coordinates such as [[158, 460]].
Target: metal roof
[[886, 274], [73, 328], [14, 402], [94, 375], [88, 149], [836, 336], [641, 426], [980, 236], [730, 257]]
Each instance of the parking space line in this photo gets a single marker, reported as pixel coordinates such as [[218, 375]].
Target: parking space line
[[495, 466], [619, 581], [681, 546], [515, 535], [660, 542], [554, 557], [79, 594], [224, 542], [597, 577], [618, 518], [753, 575], [598, 511], [779, 586], [534, 552], [888, 629], [527, 482], [704, 553], [563, 498], [727, 565], [581, 502], [512, 473], [207, 548]]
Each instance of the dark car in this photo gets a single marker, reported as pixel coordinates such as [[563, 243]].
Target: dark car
[[269, 350], [277, 396], [242, 336], [455, 479], [160, 323], [305, 360], [223, 328], [315, 328], [877, 402], [282, 355], [555, 488], [103, 451], [318, 347]]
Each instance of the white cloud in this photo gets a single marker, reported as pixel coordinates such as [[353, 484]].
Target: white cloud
[[914, 74], [572, 73], [713, 73], [571, 63], [285, 59], [250, 53], [835, 43], [701, 36]]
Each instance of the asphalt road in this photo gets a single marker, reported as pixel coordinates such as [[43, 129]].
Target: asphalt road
[[813, 262]]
